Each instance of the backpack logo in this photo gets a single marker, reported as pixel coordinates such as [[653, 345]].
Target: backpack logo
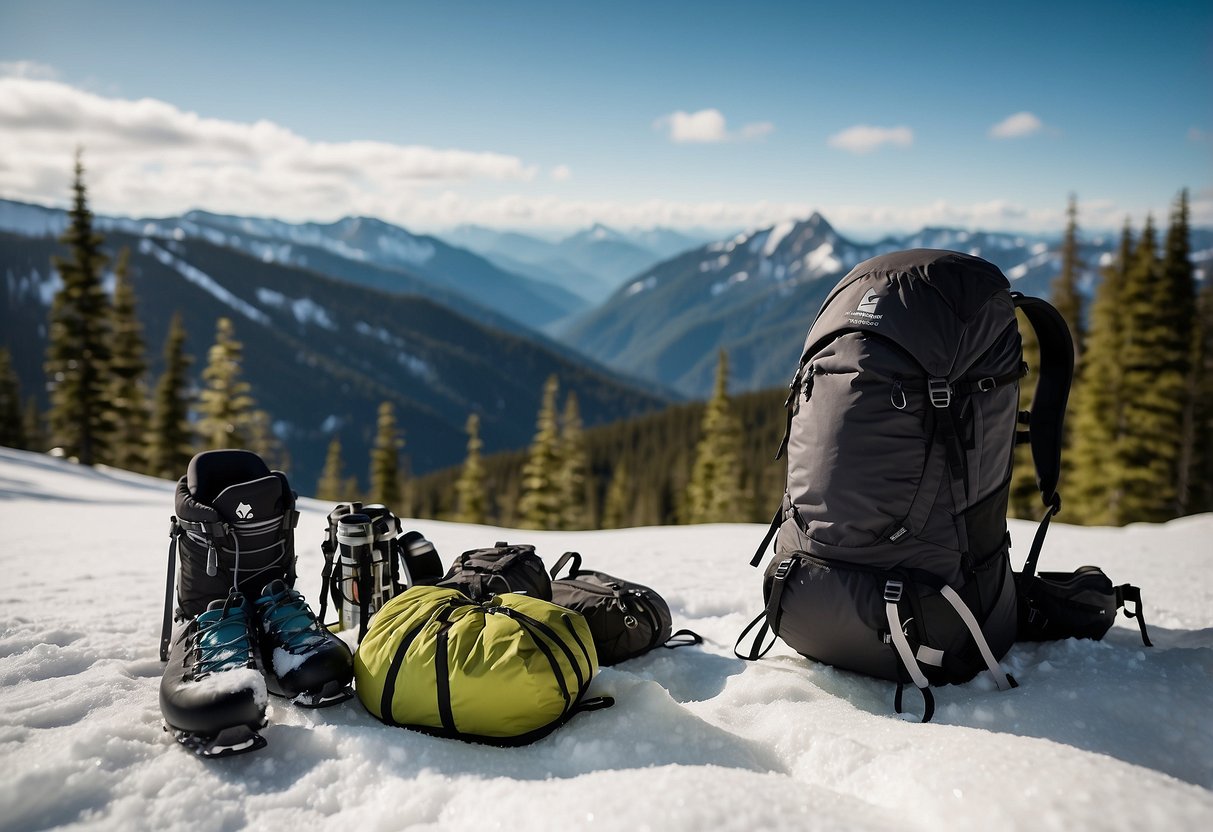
[[868, 304], [244, 511], [865, 312]]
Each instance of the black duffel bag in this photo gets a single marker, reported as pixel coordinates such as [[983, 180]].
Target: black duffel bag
[[482, 573], [626, 619]]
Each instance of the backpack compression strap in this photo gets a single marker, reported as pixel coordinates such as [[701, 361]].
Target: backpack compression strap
[[1048, 414]]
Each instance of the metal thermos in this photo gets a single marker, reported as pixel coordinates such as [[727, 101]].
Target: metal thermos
[[355, 545]]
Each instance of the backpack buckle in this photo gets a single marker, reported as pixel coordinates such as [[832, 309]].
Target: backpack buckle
[[940, 392], [892, 591], [784, 569], [985, 385]]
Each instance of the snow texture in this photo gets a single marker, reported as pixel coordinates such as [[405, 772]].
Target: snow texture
[[1107, 735], [231, 681], [305, 310], [203, 281]]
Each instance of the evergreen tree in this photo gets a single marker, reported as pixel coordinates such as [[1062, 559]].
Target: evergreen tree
[[225, 404], [32, 426], [714, 492], [12, 426], [1180, 318], [1024, 499], [128, 366], [1155, 364], [1097, 414], [1066, 296], [539, 506], [574, 466], [78, 352], [171, 443], [385, 460], [469, 489], [331, 486], [1200, 480], [616, 513], [265, 443]]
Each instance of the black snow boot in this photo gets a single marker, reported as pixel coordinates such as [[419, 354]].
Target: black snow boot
[[302, 660], [212, 694], [234, 527]]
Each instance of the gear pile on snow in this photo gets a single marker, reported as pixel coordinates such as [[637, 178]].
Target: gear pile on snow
[[244, 629]]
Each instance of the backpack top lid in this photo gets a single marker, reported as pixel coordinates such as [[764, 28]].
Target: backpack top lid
[[935, 304], [210, 472], [235, 484]]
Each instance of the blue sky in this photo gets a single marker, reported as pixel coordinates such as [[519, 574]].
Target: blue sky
[[712, 114]]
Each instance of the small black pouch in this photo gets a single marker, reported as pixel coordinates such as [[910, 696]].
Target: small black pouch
[[626, 619], [1079, 604], [482, 573]]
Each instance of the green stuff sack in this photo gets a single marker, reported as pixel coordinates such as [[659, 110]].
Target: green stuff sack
[[506, 671]]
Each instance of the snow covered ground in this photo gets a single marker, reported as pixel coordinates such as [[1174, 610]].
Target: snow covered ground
[[1106, 735]]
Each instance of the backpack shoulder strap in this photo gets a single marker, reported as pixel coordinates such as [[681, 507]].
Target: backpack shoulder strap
[[1047, 419], [1052, 391]]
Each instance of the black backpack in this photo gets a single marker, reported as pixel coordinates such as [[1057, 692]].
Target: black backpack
[[482, 573], [902, 418], [626, 619]]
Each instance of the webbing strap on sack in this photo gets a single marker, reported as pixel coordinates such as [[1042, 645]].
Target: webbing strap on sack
[[776, 522], [1052, 391], [328, 548], [1126, 593], [682, 638], [901, 645], [166, 629], [575, 557], [1003, 680], [756, 651]]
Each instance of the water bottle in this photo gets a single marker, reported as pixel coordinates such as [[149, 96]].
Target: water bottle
[[385, 577], [355, 544]]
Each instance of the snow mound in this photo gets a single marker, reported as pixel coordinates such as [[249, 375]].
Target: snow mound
[[1107, 735]]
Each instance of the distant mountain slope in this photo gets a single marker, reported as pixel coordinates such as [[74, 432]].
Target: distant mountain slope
[[360, 249], [592, 263], [757, 293], [321, 354]]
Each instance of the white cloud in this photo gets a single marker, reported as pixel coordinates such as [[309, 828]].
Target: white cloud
[[27, 69], [1016, 126], [148, 156], [708, 127], [862, 138], [548, 212], [560, 173]]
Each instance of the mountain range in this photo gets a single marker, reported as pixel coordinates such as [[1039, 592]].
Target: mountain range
[[360, 250], [593, 262], [320, 350], [756, 294]]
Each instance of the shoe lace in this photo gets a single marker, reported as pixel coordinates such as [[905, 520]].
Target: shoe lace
[[288, 619], [218, 651]]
